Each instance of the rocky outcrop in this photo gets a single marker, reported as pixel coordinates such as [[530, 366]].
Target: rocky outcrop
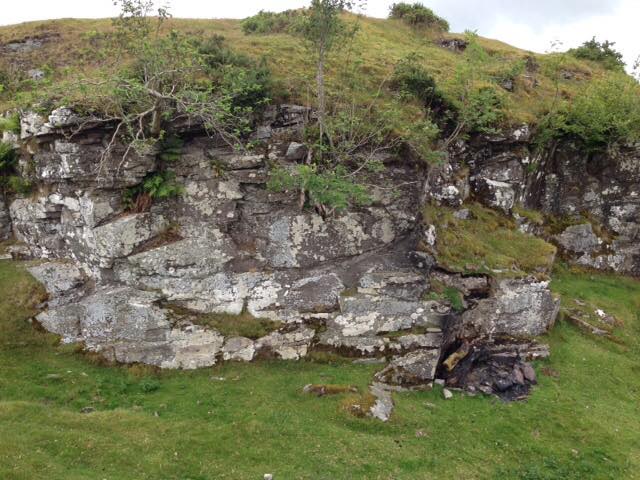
[[487, 348], [566, 184], [517, 308], [134, 286], [5, 221]]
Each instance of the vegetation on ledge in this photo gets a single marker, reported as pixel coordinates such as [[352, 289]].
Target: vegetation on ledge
[[487, 242]]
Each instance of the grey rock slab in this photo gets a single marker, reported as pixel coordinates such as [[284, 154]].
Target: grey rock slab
[[120, 237], [238, 348], [291, 345], [519, 307], [128, 325], [579, 239], [62, 280], [383, 406], [412, 369]]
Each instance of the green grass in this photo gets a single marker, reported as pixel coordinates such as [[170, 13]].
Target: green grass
[[80, 48], [582, 422], [242, 325], [488, 242]]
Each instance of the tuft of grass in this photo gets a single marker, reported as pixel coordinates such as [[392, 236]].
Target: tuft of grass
[[242, 325], [585, 291], [358, 405], [488, 242], [10, 123], [534, 216]]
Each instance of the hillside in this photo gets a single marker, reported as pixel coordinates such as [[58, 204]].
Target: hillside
[[315, 245], [80, 47]]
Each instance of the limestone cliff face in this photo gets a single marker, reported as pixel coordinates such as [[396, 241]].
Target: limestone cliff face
[[581, 191], [129, 285]]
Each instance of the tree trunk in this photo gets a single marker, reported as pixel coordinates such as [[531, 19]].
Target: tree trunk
[[321, 93]]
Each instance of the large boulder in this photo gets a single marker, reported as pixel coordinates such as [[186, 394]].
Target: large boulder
[[129, 326], [517, 308], [579, 239]]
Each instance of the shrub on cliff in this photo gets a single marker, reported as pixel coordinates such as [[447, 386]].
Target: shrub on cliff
[[417, 15], [10, 181], [171, 76], [411, 79], [10, 123], [606, 112], [601, 52]]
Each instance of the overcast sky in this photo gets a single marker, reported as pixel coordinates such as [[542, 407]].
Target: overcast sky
[[529, 24]]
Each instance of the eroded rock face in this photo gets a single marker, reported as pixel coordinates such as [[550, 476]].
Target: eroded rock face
[[129, 326], [415, 368], [518, 308], [63, 281], [501, 369], [564, 182], [132, 286], [5, 221], [226, 245], [579, 239]]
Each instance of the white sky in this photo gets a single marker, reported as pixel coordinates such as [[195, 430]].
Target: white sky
[[528, 24]]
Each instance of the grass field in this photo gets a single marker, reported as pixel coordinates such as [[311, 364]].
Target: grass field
[[78, 52], [239, 421]]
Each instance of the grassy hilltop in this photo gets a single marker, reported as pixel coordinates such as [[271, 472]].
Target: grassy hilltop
[[73, 48]]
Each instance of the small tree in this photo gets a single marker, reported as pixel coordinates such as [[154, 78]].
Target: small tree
[[478, 105], [172, 76], [323, 29], [601, 52]]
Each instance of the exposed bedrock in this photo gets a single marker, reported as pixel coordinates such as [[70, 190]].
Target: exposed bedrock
[[569, 186], [154, 286], [5, 221]]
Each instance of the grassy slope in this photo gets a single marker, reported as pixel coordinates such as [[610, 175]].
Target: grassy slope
[[77, 47], [582, 422]]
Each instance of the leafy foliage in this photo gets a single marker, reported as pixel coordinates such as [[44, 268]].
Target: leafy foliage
[[411, 79], [601, 52], [157, 186], [334, 188], [418, 15], [7, 156], [10, 181], [178, 76], [171, 149], [479, 107], [270, 22], [606, 112], [10, 123]]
